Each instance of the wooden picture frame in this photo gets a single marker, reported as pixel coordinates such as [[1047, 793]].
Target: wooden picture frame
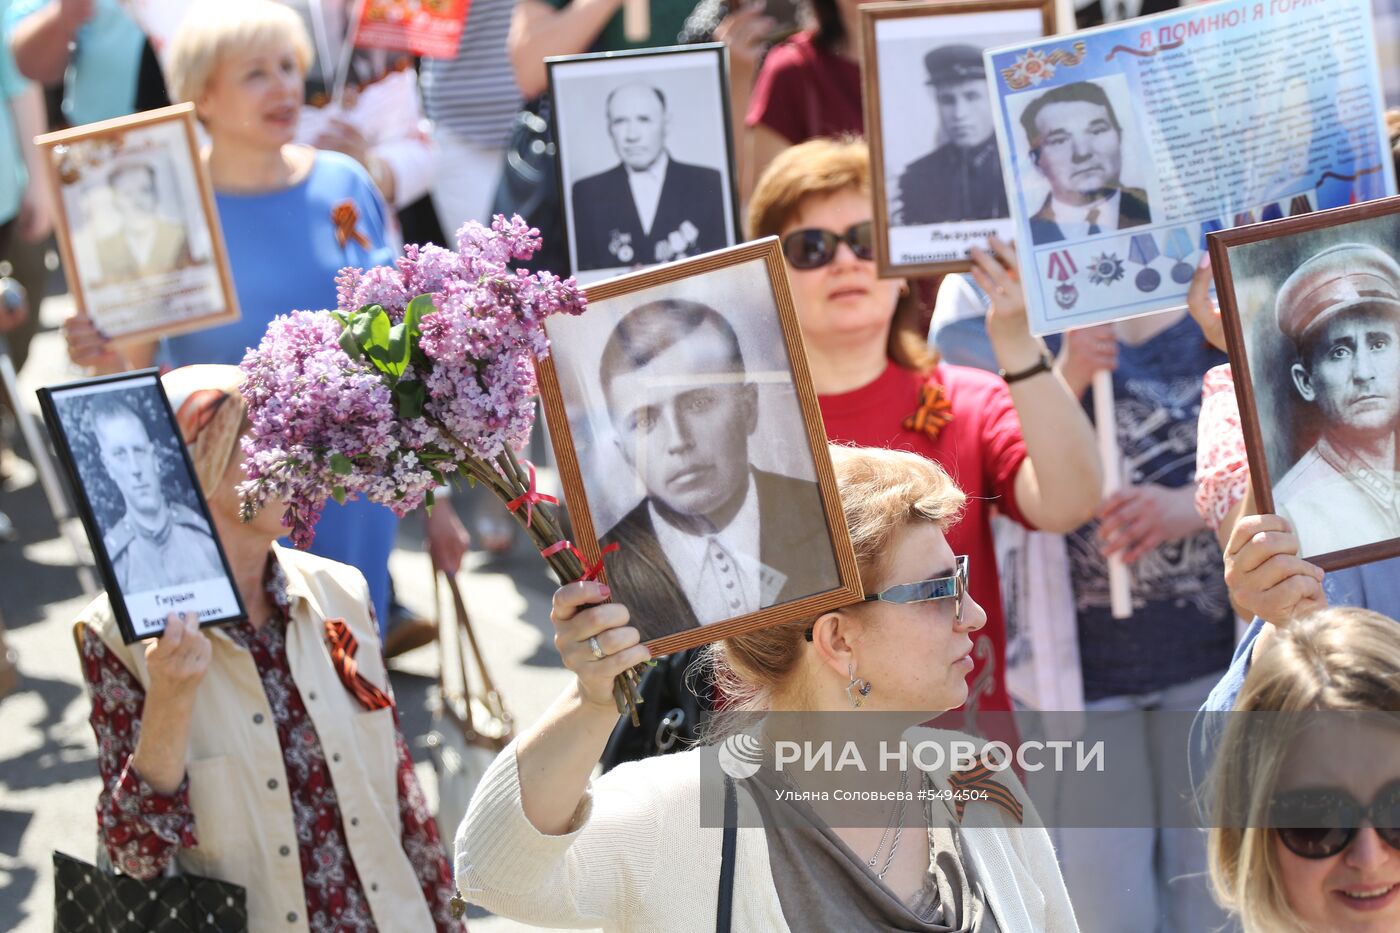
[[697, 209], [1287, 436], [124, 450], [139, 282], [616, 382], [948, 237]]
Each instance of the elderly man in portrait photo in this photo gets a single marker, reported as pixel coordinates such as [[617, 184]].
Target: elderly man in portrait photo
[[649, 207], [156, 543], [961, 179], [713, 538], [1077, 146], [145, 243], [1341, 309]]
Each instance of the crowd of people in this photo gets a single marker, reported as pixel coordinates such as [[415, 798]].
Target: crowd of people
[[241, 752]]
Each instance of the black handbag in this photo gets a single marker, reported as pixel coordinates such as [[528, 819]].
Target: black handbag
[[675, 707], [88, 899], [529, 185]]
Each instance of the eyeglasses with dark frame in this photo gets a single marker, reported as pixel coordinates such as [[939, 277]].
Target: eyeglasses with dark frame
[[813, 247], [953, 586], [1331, 818]]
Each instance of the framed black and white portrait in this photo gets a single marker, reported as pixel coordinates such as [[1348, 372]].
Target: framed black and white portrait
[[692, 451], [931, 120], [137, 227], [646, 157], [140, 502], [1311, 306]]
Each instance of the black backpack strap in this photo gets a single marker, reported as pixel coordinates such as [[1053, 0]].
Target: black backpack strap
[[727, 858]]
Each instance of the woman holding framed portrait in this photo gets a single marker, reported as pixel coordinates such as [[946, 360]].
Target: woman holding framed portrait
[[1021, 441], [632, 850], [265, 751], [292, 218]]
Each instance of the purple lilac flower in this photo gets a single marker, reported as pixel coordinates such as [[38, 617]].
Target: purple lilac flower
[[324, 422]]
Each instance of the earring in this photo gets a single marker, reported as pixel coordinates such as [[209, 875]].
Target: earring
[[860, 687]]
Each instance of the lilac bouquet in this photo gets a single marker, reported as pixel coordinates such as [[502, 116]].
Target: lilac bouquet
[[423, 375]]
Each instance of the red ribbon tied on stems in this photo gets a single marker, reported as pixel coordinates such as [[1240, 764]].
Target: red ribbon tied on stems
[[346, 217], [530, 499], [343, 645], [590, 571], [978, 783]]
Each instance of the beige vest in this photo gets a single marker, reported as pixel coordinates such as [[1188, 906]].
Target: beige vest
[[238, 781]]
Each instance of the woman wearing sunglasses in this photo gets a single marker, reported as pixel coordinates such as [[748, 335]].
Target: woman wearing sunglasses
[[545, 845], [1018, 442], [1306, 828]]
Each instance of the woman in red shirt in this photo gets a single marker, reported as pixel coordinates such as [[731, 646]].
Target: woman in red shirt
[[1018, 442], [808, 86]]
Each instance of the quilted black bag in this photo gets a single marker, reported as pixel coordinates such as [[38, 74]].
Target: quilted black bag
[[88, 899]]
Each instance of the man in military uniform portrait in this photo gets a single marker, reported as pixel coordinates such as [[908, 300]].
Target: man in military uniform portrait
[[146, 243], [961, 179], [1076, 144], [1341, 309], [650, 207], [156, 543], [714, 538]]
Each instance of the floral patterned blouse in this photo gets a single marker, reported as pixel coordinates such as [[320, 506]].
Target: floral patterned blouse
[[142, 828], [1222, 468]]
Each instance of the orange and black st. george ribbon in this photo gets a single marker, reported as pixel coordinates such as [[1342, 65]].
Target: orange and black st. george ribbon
[[934, 411], [343, 645]]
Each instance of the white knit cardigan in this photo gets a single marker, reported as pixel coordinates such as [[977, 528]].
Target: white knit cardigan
[[638, 859]]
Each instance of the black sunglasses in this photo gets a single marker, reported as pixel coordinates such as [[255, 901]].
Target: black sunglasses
[[953, 586], [1317, 823], [813, 247]]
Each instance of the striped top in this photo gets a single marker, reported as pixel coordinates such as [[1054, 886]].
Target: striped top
[[474, 95]]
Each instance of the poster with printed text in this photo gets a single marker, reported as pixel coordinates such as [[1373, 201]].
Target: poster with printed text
[[1123, 147]]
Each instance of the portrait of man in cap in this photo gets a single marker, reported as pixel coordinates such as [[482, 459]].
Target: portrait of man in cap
[[1076, 145], [157, 543], [713, 537], [961, 179], [1341, 310], [649, 207]]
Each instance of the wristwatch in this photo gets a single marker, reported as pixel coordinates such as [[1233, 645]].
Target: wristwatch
[[1044, 365]]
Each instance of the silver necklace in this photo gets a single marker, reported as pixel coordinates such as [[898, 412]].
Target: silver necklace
[[897, 824]]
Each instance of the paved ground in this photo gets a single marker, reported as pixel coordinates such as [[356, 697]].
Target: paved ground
[[48, 770]]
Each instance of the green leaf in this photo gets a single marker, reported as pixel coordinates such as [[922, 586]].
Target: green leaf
[[411, 396], [428, 501], [437, 477], [338, 494], [341, 465], [371, 329], [418, 309], [399, 347], [349, 344]]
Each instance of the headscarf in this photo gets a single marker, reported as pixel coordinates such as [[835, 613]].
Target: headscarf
[[210, 410]]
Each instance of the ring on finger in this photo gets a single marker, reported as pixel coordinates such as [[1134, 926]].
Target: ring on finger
[[596, 648]]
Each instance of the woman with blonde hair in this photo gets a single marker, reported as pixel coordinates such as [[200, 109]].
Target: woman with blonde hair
[[544, 844], [1306, 830], [1017, 442], [265, 752]]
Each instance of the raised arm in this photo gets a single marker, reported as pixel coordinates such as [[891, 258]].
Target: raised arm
[[538, 845], [41, 40], [144, 812], [557, 754], [538, 30], [1059, 484]]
